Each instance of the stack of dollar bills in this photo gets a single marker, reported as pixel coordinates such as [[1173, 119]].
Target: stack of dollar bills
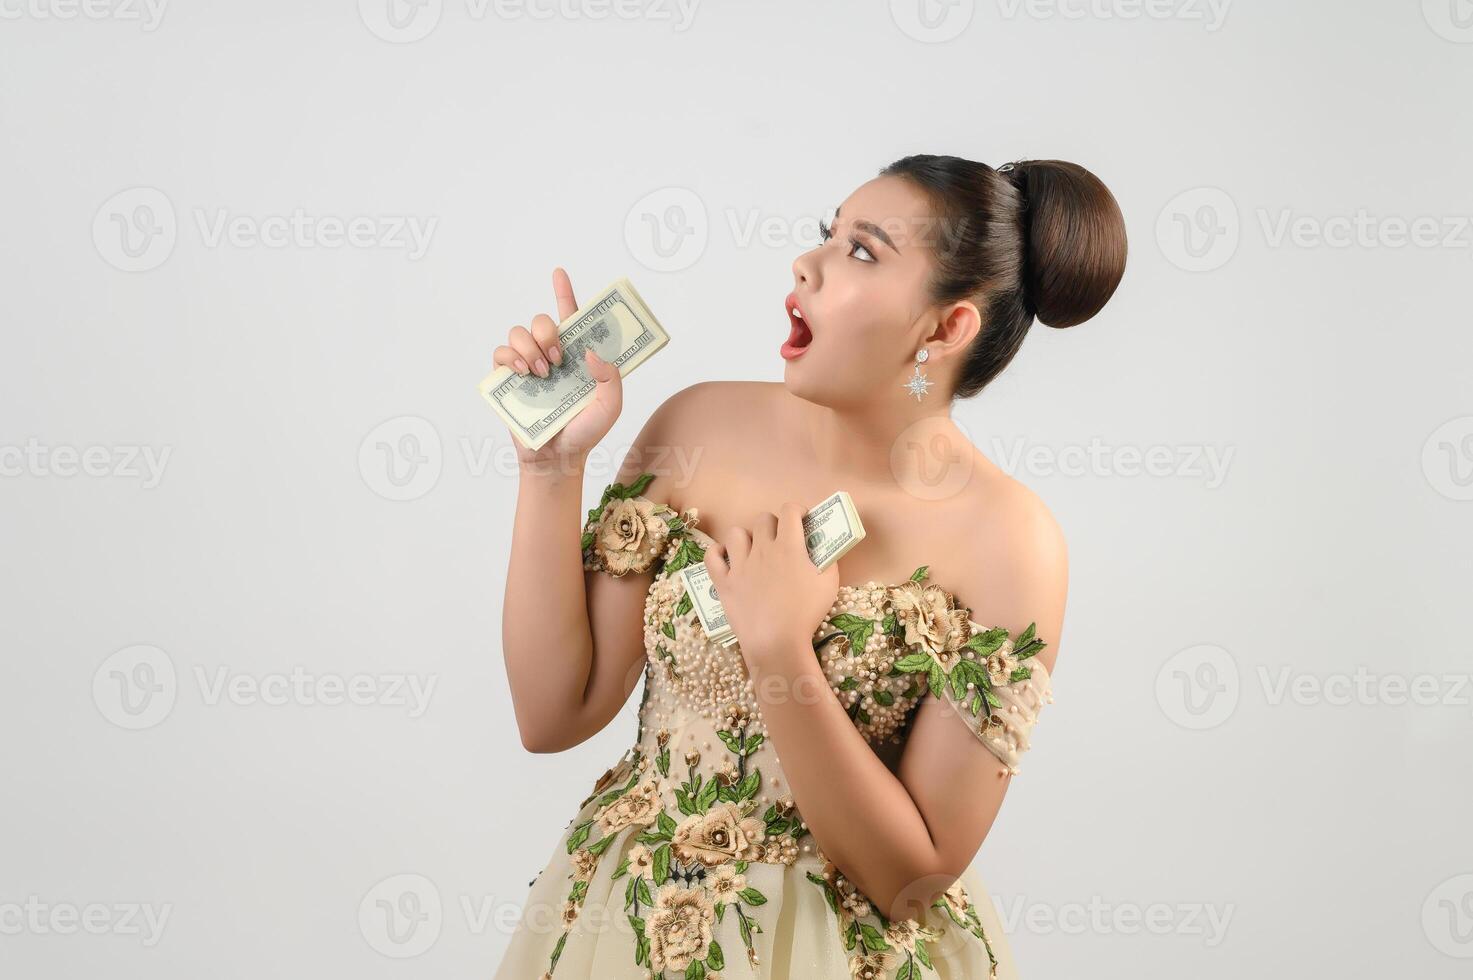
[[829, 531], [616, 324]]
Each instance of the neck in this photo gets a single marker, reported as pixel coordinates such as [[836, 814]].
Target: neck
[[866, 443]]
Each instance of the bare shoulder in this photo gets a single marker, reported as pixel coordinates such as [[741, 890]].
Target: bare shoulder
[[1015, 565], [680, 433]]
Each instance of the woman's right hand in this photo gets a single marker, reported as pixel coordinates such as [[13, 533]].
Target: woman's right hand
[[536, 351]]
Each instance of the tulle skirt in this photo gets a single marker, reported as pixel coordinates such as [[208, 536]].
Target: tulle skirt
[[585, 921]]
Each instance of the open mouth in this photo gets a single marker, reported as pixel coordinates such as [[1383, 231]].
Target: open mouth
[[799, 333]]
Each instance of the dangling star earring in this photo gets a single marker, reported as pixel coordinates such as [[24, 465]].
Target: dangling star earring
[[918, 384]]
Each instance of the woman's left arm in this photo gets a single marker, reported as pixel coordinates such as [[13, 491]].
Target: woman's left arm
[[902, 838]]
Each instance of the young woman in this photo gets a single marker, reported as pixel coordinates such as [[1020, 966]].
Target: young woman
[[807, 802]]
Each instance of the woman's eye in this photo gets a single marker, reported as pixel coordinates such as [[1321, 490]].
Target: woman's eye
[[825, 233]]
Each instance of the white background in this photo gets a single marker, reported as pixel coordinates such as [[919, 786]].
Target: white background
[[336, 499]]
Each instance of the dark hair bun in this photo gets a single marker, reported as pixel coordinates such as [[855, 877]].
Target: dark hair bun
[[1075, 240]]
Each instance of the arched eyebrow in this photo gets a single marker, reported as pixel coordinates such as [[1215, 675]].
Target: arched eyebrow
[[873, 229]]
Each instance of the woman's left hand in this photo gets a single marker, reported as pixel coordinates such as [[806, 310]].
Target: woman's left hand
[[773, 595]]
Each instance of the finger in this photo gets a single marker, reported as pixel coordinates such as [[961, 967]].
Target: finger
[[738, 546], [562, 288], [508, 355], [716, 562], [790, 523], [521, 338], [544, 331], [608, 392], [765, 527]]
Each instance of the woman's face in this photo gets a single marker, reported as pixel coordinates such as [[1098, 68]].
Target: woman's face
[[862, 296]]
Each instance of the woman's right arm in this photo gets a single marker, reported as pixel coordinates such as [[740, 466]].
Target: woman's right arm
[[573, 640]]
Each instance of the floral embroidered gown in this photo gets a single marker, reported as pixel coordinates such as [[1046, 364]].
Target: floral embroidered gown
[[689, 859]]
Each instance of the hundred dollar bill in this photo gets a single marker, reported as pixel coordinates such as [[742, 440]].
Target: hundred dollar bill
[[616, 324], [829, 531]]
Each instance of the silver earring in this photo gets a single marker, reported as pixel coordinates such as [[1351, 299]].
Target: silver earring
[[918, 384]]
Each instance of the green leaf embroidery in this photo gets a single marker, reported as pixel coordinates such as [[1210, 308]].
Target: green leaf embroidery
[[749, 784], [619, 872], [885, 698], [752, 896], [666, 823], [912, 662], [662, 863], [919, 573], [1027, 645], [707, 795], [684, 606], [828, 892], [753, 741], [579, 835], [642, 889], [937, 679], [668, 628], [873, 938], [715, 959], [906, 971], [988, 641], [891, 624], [662, 761], [688, 553], [696, 970], [857, 628], [1020, 674]]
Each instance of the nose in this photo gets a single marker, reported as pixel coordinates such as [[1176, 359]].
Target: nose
[[805, 269]]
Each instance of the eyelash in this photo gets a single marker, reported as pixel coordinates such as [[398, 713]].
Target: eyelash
[[825, 233]]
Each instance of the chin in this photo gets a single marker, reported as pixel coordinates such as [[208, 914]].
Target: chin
[[802, 380]]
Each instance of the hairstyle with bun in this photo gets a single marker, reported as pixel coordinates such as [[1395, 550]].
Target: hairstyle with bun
[[1036, 239]]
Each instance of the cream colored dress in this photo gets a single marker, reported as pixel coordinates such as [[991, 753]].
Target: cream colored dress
[[689, 859]]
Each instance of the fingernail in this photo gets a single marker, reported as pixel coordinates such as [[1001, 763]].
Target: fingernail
[[542, 366], [521, 366], [555, 354]]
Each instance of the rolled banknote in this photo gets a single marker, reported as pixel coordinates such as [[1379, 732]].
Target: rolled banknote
[[616, 324], [829, 531]]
